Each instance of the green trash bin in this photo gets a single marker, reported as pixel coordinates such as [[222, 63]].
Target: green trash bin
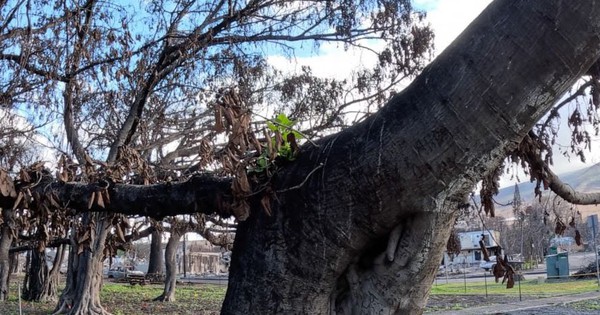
[[562, 265], [557, 266], [551, 266]]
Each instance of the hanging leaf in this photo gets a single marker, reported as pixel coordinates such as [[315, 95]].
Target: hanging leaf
[[219, 119], [91, 200], [560, 227], [511, 280], [578, 239], [120, 233], [106, 196], [453, 245], [486, 255], [18, 201], [291, 139], [265, 202], [99, 199], [7, 188], [498, 270]]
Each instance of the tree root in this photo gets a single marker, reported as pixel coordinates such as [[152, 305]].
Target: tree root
[[164, 298]]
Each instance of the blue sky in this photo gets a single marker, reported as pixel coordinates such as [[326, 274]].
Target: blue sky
[[448, 19]]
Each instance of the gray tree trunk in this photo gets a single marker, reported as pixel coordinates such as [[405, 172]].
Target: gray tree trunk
[[37, 275], [6, 238], [40, 283], [171, 266], [365, 233], [81, 295], [156, 262], [14, 262]]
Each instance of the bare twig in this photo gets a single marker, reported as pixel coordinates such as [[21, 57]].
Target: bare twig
[[303, 182]]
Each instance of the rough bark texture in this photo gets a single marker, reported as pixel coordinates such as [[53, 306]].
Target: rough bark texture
[[407, 169], [6, 238], [171, 266], [201, 193], [40, 283], [81, 295], [156, 263], [36, 276]]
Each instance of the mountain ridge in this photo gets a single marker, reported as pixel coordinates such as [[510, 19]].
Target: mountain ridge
[[584, 180]]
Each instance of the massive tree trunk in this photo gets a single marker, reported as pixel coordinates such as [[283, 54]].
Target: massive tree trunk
[[81, 295], [156, 263], [6, 238], [171, 264], [365, 231]]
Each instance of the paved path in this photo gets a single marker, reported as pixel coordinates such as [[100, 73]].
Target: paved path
[[529, 305]]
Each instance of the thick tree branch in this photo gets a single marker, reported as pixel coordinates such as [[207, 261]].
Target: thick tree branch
[[21, 60], [202, 194], [52, 244]]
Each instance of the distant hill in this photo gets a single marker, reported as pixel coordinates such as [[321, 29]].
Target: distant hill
[[584, 180]]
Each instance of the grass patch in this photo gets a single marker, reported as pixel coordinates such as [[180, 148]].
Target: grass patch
[[587, 305], [528, 287], [125, 299]]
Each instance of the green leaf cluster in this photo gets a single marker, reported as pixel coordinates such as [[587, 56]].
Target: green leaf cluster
[[280, 127]]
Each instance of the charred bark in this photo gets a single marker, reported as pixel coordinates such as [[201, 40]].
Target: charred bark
[[81, 295], [6, 238], [37, 273], [171, 266], [41, 283], [202, 193], [156, 263], [328, 246]]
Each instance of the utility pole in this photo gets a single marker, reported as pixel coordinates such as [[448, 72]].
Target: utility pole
[[518, 213], [592, 222]]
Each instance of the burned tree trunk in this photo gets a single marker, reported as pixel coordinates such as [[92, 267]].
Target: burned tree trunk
[[156, 263], [81, 295], [14, 262], [41, 283], [6, 238], [171, 266], [37, 275], [361, 220]]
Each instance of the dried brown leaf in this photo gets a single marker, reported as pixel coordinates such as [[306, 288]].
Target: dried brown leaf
[[91, 200], [219, 119], [265, 202], [99, 199], [120, 233], [7, 188], [486, 255], [18, 200], [106, 196]]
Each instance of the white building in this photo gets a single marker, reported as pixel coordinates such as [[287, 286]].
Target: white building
[[470, 253]]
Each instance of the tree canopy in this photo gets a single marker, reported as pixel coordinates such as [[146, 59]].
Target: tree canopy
[[171, 107]]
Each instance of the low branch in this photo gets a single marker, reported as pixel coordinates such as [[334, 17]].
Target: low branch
[[54, 243], [541, 171], [139, 235], [200, 194]]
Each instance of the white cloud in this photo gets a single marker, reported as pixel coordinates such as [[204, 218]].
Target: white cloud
[[331, 61], [448, 18]]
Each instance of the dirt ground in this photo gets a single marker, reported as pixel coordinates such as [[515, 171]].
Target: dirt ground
[[439, 303]]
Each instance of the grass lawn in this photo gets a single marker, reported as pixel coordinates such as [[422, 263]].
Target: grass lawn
[[528, 287], [124, 299]]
